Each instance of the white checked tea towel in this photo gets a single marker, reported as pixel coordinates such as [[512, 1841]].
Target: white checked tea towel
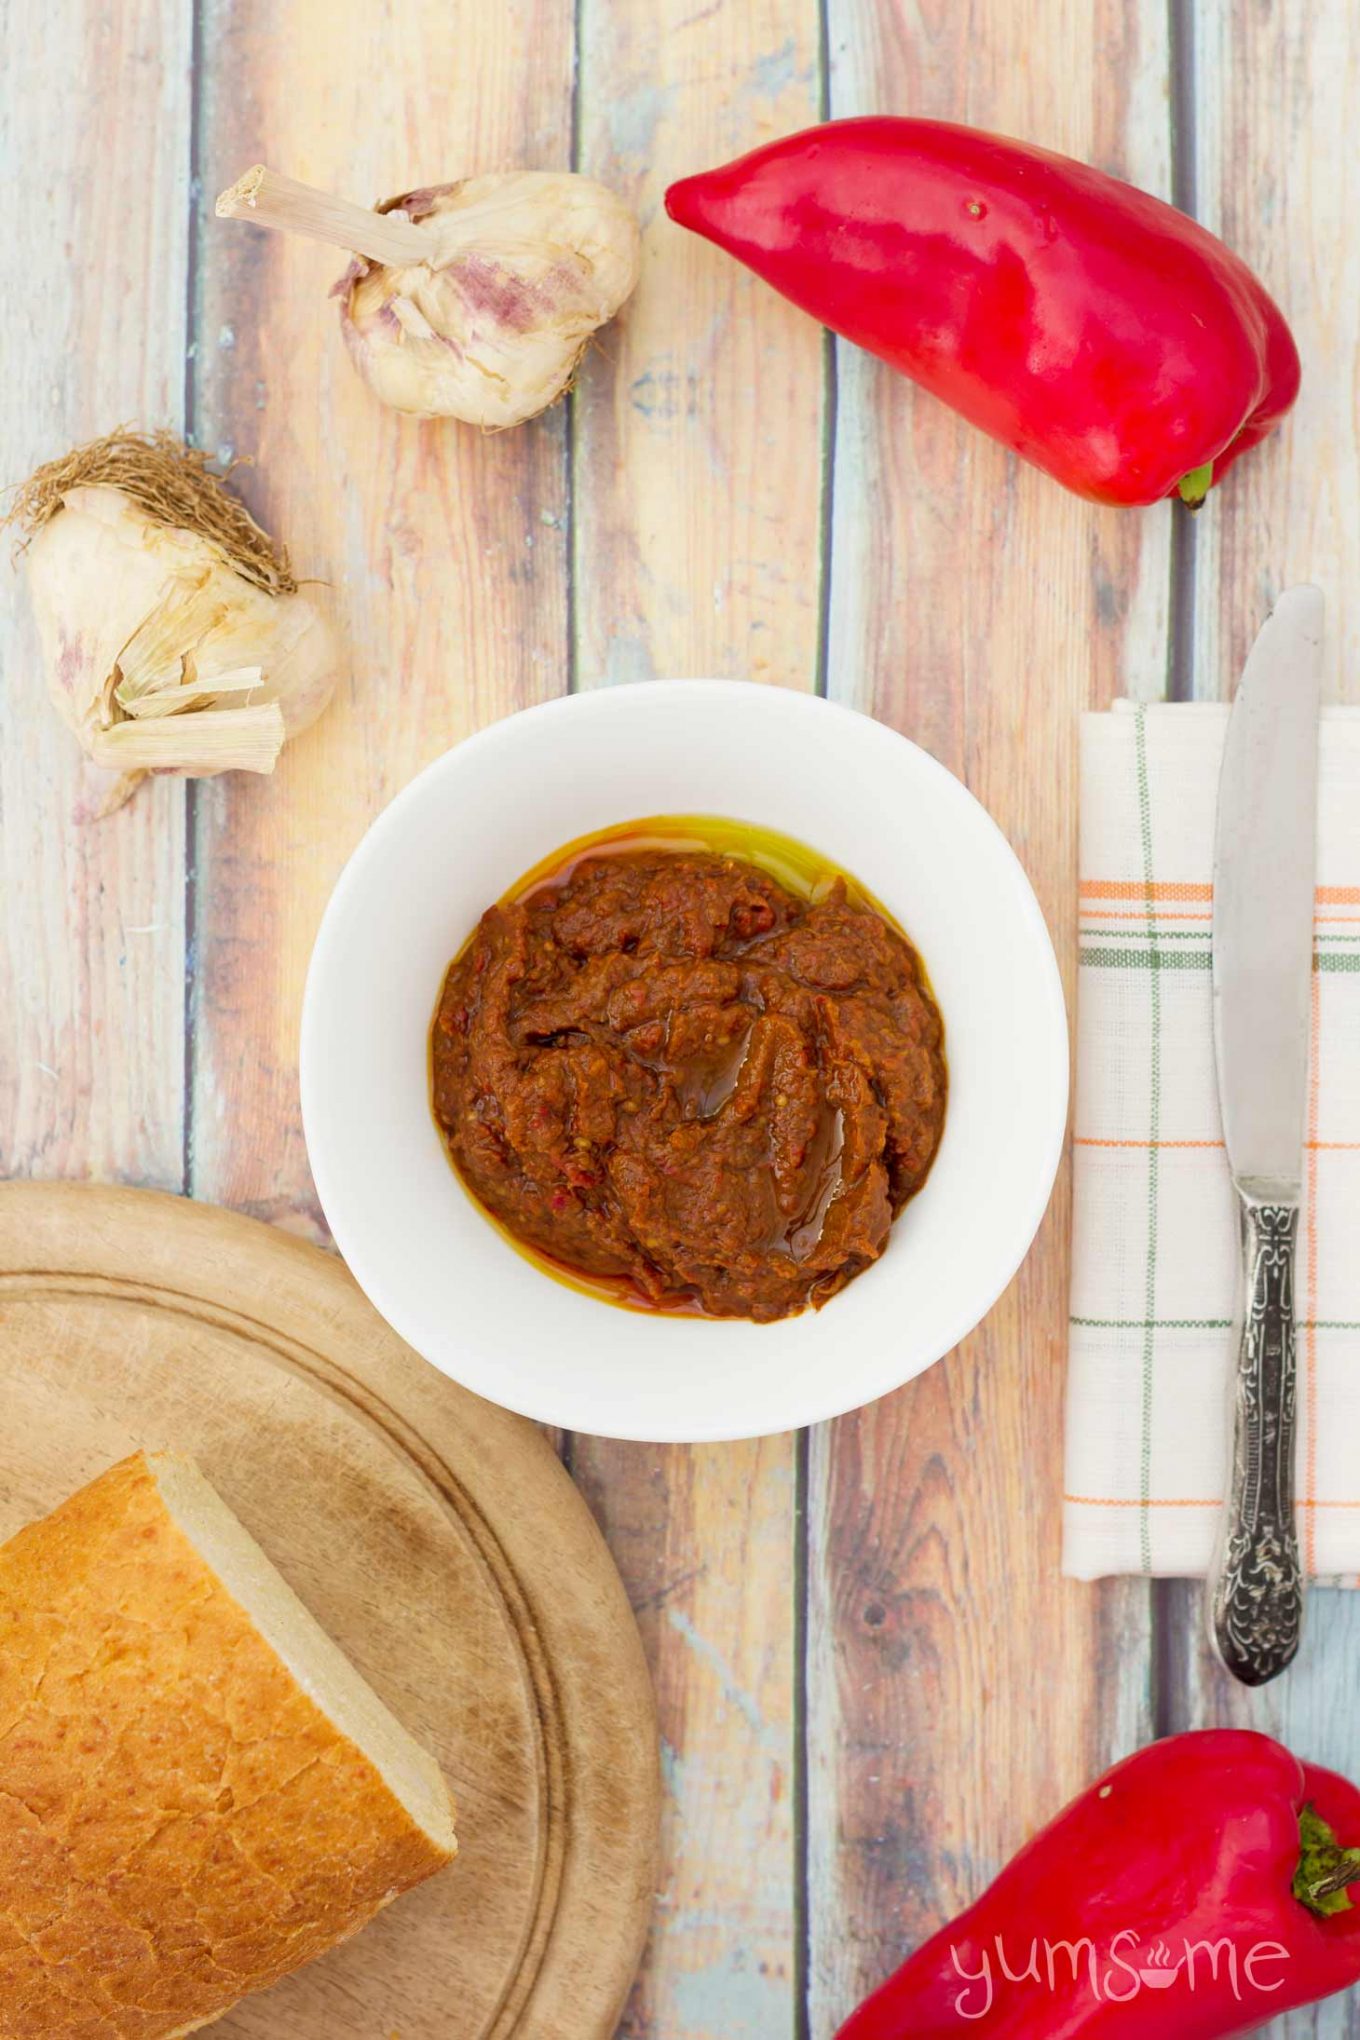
[[1155, 1254]]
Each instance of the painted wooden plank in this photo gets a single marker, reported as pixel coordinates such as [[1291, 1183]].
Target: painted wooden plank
[[957, 1690], [1276, 173], [697, 492], [91, 335], [698, 459], [444, 549], [703, 1536]]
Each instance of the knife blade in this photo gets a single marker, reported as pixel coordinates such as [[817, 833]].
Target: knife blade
[[1264, 877]]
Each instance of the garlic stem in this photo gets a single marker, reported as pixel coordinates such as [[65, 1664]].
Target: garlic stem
[[274, 201]]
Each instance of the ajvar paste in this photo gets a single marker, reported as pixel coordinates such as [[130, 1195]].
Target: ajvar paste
[[664, 1069]]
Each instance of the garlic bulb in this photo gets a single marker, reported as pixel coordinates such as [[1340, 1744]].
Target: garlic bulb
[[473, 300], [172, 630]]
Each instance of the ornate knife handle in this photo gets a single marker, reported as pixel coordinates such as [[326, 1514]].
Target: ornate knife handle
[[1257, 1601]]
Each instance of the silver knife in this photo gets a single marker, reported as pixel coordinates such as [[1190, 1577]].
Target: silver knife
[[1264, 875]]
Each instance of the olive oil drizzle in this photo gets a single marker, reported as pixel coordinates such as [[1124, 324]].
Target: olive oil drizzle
[[805, 873]]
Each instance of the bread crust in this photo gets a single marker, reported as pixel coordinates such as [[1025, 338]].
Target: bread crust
[[180, 1824]]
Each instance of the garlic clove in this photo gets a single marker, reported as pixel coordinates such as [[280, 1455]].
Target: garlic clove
[[168, 647], [472, 300], [96, 569], [523, 269], [295, 644]]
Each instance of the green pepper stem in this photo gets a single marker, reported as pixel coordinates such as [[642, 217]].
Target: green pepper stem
[[1194, 487], [1326, 1869]]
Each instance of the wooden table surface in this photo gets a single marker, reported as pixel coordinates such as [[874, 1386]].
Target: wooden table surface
[[872, 1681]]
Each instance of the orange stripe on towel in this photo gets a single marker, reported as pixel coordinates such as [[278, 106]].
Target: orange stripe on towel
[[1145, 889], [1091, 1140], [1186, 890], [1197, 914], [1136, 1502]]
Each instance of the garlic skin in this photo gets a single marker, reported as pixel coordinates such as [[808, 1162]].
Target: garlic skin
[[138, 620], [523, 268]]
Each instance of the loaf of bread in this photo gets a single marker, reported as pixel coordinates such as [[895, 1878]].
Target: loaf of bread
[[198, 1793]]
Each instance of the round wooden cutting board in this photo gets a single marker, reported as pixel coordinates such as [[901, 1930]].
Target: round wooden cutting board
[[436, 1537]]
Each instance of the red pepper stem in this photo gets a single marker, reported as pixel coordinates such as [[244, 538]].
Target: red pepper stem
[[1341, 1879], [1194, 487], [1326, 1869]]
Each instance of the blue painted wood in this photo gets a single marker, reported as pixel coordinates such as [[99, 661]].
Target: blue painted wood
[[94, 154]]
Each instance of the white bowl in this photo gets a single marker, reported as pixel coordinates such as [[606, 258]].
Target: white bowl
[[484, 814]]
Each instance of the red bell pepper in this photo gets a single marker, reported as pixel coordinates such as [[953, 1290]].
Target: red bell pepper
[[1198, 1889], [1097, 331]]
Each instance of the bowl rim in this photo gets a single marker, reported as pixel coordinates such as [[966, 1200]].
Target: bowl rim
[[806, 1405]]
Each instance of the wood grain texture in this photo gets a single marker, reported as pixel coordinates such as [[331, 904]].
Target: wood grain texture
[[697, 502], [704, 1538], [1276, 172], [434, 1536], [698, 458], [444, 548], [94, 146], [977, 608]]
